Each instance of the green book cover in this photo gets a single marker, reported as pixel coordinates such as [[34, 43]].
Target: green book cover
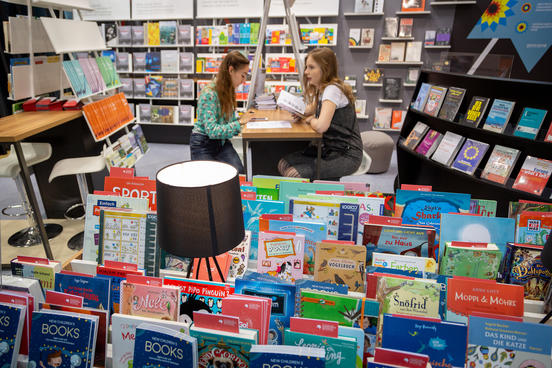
[[268, 194], [294, 189], [254, 33], [412, 297], [340, 351], [483, 207], [270, 181], [471, 262]]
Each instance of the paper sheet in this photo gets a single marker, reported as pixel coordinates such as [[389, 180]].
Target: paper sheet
[[269, 124]]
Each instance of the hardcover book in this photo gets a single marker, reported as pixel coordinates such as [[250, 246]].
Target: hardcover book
[[529, 122], [382, 117], [415, 135], [412, 5], [430, 142], [498, 116], [272, 356], [340, 264], [429, 38], [152, 301], [448, 148], [397, 51], [442, 38], [413, 51], [125, 35], [477, 260], [548, 137], [384, 52], [354, 36], [405, 27], [11, 331], [422, 96], [95, 290], [500, 164], [435, 98], [153, 36], [470, 155], [167, 32], [40, 269], [412, 75], [239, 257], [408, 296], [363, 6], [403, 262], [138, 35], [476, 111], [483, 207], [281, 255], [397, 119], [367, 37], [391, 27], [252, 210], [24, 300], [253, 313], [153, 61], [392, 88], [452, 103], [534, 227], [534, 175]]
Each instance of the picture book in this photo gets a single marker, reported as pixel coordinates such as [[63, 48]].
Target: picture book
[[401, 240], [272, 356], [430, 142], [340, 264], [240, 257], [23, 299], [142, 299], [167, 32], [533, 175], [529, 122], [534, 227], [357, 334], [318, 210], [281, 254], [305, 284], [314, 231], [373, 75], [483, 207], [452, 103], [498, 116], [477, 260], [415, 135], [467, 295], [41, 269], [391, 27], [412, 76], [11, 330], [392, 87], [388, 358], [429, 38], [252, 210], [363, 6], [470, 155], [283, 304], [500, 164], [448, 148], [439, 340], [153, 61], [95, 290], [340, 351], [218, 348], [412, 5], [163, 347], [124, 333], [402, 262], [354, 36], [367, 37], [422, 96], [382, 117], [502, 343], [253, 313], [435, 98], [384, 54], [397, 119], [294, 189], [476, 111], [200, 266], [62, 339], [442, 37], [153, 36]]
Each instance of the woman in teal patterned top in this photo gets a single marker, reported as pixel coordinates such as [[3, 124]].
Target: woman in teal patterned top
[[216, 115]]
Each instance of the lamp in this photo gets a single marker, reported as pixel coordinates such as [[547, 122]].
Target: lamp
[[199, 213]]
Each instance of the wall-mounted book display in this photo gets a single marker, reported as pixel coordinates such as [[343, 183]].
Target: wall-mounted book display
[[72, 35]]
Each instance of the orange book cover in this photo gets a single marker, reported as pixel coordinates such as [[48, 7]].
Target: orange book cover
[[223, 260], [134, 188], [413, 5], [397, 118], [265, 218]]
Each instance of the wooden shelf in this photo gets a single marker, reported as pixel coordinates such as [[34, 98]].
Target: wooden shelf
[[372, 85], [361, 47], [422, 12], [438, 3], [437, 47], [397, 38], [383, 100], [14, 128], [399, 63], [352, 14]]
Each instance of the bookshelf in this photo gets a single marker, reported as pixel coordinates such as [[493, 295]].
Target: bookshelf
[[453, 3], [421, 12]]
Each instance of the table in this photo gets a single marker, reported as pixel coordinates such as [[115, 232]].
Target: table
[[298, 132], [17, 127]]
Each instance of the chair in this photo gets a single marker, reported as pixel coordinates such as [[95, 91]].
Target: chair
[[379, 146], [34, 153], [79, 166]]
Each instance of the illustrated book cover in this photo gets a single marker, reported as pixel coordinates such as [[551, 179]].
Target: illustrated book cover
[[281, 254], [402, 262], [340, 264], [422, 96], [477, 260], [533, 175], [142, 299], [470, 155], [500, 164], [498, 116], [435, 99], [95, 290], [430, 142], [262, 356], [415, 135], [11, 331]]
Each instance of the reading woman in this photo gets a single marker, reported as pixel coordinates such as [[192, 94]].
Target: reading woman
[[216, 114], [330, 111]]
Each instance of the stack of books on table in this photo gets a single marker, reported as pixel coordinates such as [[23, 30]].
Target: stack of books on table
[[266, 102]]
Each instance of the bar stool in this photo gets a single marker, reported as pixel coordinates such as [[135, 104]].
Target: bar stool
[[34, 153], [78, 166]]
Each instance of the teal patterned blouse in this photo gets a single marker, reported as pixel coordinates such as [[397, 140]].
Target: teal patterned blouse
[[210, 120]]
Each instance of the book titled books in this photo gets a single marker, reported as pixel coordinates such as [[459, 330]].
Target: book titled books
[[11, 332], [500, 164], [435, 98], [498, 116], [415, 135], [264, 356], [448, 148], [470, 155], [529, 122], [452, 103], [475, 112], [534, 175]]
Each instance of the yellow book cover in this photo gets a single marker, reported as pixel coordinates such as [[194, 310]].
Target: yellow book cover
[[339, 263], [154, 37]]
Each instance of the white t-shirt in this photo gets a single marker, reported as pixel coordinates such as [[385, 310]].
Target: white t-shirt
[[334, 94]]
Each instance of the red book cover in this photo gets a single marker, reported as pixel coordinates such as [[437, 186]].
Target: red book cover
[[144, 280], [35, 260], [548, 137], [534, 175], [43, 104], [384, 220], [314, 326], [223, 260], [121, 172], [253, 312], [20, 298], [133, 188], [218, 322], [420, 188], [121, 265], [264, 218], [414, 6], [331, 192], [397, 118], [248, 195], [56, 105], [400, 358], [30, 105], [67, 300]]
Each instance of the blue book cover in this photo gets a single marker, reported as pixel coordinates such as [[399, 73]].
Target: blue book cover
[[469, 156], [290, 189], [441, 341], [500, 343], [425, 208], [283, 304], [314, 232], [161, 347], [62, 340], [348, 222], [316, 285], [268, 356], [530, 122], [252, 210], [499, 115], [248, 188], [341, 352], [420, 101], [153, 61], [236, 33], [95, 290], [357, 334], [497, 230], [12, 319], [110, 54]]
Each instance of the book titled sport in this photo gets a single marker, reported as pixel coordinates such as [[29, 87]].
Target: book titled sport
[[475, 112], [470, 156], [530, 122], [499, 115], [429, 143], [435, 99], [534, 175], [500, 164]]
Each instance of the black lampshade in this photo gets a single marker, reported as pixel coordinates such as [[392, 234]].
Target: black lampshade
[[199, 211]]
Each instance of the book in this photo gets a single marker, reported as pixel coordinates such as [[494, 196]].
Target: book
[[448, 148], [137, 35], [290, 189], [153, 61], [384, 52], [252, 210], [476, 111], [412, 5], [429, 38], [483, 207], [351, 81], [435, 98], [534, 227], [442, 37], [167, 32], [125, 35], [291, 103], [11, 332], [41, 269], [413, 51], [415, 135], [392, 88], [452, 103], [515, 343], [253, 313], [185, 34], [138, 298], [281, 254], [397, 51], [405, 27], [367, 37], [478, 260], [363, 6], [470, 155], [95, 290], [163, 347], [354, 36], [412, 75], [403, 262], [422, 96], [529, 122], [382, 117], [340, 264], [500, 164], [533, 175], [378, 6], [498, 116], [186, 62], [169, 61], [239, 257], [397, 119], [264, 356], [391, 26], [373, 75], [116, 272], [429, 144], [153, 34]]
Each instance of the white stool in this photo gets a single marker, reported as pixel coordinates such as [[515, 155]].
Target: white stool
[[79, 166], [364, 165], [34, 153]]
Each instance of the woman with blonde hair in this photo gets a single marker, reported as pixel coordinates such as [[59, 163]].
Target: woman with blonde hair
[[330, 111], [216, 113]]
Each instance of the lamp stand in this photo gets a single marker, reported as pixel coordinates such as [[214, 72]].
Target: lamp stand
[[189, 271]]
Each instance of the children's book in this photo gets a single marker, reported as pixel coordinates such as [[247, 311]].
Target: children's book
[[412, 5], [294, 189], [252, 210], [253, 313], [281, 254], [357, 334], [95, 290], [239, 257], [26, 301], [470, 155], [354, 37], [452, 103], [140, 298], [529, 122], [534, 227], [499, 114], [500, 164], [469, 259], [393, 358], [422, 96], [415, 135], [441, 341], [340, 264], [200, 266], [483, 207], [262, 356], [11, 332], [306, 209], [402, 262], [503, 343], [435, 99], [533, 175], [117, 272], [41, 269], [305, 284], [476, 111]]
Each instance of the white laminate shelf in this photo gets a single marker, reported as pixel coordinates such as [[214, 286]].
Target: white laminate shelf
[[421, 12], [437, 47], [372, 85], [399, 63], [383, 100], [151, 46], [439, 3], [409, 84], [352, 14]]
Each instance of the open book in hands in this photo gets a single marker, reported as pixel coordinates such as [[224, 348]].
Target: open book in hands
[[295, 105]]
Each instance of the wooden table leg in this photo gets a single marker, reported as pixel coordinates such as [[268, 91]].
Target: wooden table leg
[[32, 199]]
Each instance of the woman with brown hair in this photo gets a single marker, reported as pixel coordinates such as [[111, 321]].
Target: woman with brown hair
[[330, 111], [216, 113]]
